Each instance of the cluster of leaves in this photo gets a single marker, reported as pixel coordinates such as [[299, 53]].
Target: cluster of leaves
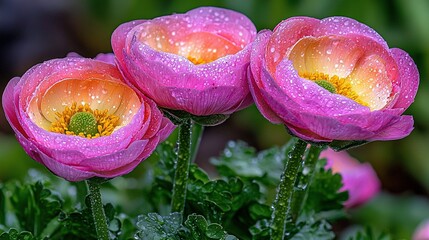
[[32, 211], [235, 205]]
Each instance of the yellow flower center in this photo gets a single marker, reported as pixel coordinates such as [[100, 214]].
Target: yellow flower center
[[334, 84], [81, 120]]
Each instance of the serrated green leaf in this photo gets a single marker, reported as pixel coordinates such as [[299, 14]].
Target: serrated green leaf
[[324, 192], [34, 206], [261, 230], [239, 159], [200, 229], [308, 229], [259, 211], [13, 234], [156, 227], [79, 224]]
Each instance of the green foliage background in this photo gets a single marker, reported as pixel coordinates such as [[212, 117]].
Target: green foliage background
[[35, 31]]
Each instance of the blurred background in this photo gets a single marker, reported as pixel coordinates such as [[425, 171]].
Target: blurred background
[[35, 31]]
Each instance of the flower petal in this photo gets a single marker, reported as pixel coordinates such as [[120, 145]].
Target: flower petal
[[9, 103], [398, 129], [347, 26], [409, 78], [333, 55]]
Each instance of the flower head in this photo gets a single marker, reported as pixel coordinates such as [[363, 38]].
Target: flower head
[[78, 118], [333, 79], [359, 179], [194, 62]]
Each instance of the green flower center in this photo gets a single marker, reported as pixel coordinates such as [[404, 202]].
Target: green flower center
[[83, 122], [326, 85]]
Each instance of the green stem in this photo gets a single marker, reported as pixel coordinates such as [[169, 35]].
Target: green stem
[[197, 133], [97, 210], [182, 167], [305, 177], [281, 205]]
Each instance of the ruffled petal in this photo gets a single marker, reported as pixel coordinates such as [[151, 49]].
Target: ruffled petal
[[408, 78]]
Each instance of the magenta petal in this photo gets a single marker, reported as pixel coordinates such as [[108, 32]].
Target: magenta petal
[[9, 103], [330, 128], [344, 26], [216, 88], [116, 159], [106, 57], [409, 78], [261, 104], [354, 175], [221, 16], [400, 128], [65, 171], [167, 127]]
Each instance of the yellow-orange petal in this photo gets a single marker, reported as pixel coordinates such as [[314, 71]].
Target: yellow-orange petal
[[99, 94], [371, 82], [156, 36], [333, 55], [204, 47], [199, 47]]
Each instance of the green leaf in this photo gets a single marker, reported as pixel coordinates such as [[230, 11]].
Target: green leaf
[[13, 234], [200, 229], [261, 230], [238, 159], [308, 228], [369, 234], [178, 116], [324, 193], [34, 206], [211, 120], [156, 227], [338, 145], [79, 224]]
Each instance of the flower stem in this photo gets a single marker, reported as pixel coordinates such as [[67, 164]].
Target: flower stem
[[197, 133], [97, 210], [304, 179], [281, 204], [182, 167]]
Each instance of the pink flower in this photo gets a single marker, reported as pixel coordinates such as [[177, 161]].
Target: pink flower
[[195, 62], [78, 118], [359, 179], [333, 79], [422, 231]]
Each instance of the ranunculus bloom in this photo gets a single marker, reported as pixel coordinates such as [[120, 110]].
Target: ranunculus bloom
[[78, 118], [359, 179], [195, 62], [333, 79], [422, 231]]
